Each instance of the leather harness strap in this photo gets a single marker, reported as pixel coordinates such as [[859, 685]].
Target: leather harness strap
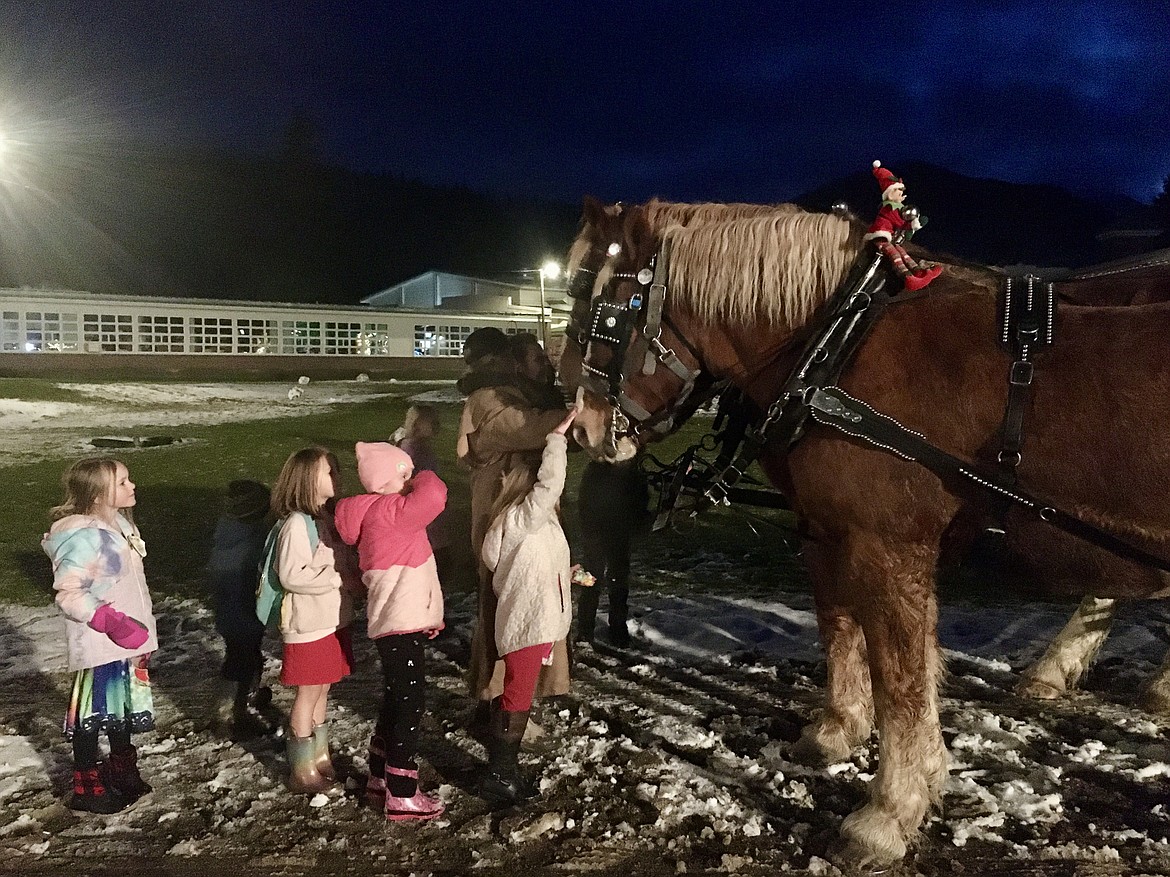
[[1027, 315], [833, 407]]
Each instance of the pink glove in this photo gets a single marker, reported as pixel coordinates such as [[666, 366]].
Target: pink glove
[[122, 629]]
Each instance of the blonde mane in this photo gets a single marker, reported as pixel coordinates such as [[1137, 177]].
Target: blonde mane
[[776, 268], [663, 214]]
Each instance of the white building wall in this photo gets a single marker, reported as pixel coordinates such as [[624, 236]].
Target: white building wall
[[54, 321]]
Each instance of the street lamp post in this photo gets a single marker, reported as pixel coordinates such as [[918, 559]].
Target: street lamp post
[[550, 270]]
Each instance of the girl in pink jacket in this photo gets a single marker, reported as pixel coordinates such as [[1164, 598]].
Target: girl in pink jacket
[[404, 607], [101, 590]]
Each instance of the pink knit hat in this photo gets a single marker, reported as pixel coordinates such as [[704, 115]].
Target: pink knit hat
[[382, 467]]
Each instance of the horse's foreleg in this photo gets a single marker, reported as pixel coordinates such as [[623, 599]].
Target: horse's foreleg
[[1061, 667], [847, 717], [900, 621]]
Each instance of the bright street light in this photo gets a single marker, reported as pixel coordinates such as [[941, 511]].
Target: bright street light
[[550, 270]]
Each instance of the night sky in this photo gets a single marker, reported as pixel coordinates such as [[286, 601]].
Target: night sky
[[688, 101]]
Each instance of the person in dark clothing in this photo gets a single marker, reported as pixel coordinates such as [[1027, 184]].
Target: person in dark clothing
[[613, 505], [232, 574], [535, 374]]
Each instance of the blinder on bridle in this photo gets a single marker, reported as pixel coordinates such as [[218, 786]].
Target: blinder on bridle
[[620, 327], [581, 292]]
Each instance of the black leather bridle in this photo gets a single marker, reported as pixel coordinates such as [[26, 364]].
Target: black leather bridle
[[623, 329]]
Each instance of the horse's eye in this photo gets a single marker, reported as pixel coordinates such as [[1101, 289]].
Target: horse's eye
[[614, 249]]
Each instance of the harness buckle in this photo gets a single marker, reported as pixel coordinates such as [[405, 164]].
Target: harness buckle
[[1009, 458], [1021, 373]]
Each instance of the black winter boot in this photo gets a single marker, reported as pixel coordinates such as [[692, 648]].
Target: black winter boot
[[503, 784], [121, 774], [619, 613], [92, 795], [248, 720]]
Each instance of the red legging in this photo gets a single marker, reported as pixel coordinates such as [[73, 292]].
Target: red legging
[[521, 669]]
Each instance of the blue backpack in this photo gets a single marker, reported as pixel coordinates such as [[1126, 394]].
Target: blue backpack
[[269, 593]]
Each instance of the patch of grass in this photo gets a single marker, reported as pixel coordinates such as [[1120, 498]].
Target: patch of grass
[[34, 390], [180, 490]]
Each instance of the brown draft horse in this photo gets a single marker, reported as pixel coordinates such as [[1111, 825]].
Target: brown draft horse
[[1135, 281], [739, 293], [1142, 280]]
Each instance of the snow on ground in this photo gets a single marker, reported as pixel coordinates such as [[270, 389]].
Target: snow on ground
[[41, 430], [674, 756]]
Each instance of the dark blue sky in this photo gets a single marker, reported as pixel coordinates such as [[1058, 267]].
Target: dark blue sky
[[624, 100]]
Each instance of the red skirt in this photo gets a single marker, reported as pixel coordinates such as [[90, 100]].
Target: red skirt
[[320, 662]]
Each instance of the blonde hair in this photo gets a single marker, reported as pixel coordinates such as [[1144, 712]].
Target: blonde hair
[[87, 484], [295, 489], [420, 413], [514, 486]]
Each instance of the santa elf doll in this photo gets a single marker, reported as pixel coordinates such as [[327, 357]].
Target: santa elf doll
[[895, 216]]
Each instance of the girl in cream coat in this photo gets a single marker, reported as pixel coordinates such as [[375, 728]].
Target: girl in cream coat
[[526, 550]]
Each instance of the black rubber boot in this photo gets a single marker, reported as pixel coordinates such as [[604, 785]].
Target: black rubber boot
[[92, 795], [619, 613], [248, 721], [121, 774], [503, 784]]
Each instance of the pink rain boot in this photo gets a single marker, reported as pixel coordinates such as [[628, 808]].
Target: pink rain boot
[[417, 806]]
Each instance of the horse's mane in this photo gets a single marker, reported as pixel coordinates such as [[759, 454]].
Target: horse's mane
[[779, 268], [663, 214]]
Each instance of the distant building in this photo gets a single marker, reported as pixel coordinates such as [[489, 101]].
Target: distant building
[[430, 317]]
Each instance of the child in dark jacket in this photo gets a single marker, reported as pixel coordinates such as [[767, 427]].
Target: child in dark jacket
[[404, 608], [613, 500], [236, 551]]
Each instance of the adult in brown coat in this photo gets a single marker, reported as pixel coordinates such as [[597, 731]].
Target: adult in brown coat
[[506, 417]]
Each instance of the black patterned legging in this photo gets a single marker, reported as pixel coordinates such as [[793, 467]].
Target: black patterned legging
[[403, 696]]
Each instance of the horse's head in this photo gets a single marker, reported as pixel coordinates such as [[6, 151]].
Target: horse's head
[[637, 368], [680, 306], [596, 242]]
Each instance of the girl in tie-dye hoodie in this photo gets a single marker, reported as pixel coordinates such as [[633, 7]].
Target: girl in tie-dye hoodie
[[404, 608], [97, 554]]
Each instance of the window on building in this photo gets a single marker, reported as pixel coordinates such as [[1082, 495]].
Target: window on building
[[211, 335], [61, 332], [10, 339], [108, 333], [451, 339], [160, 334], [256, 336], [424, 341], [300, 336], [374, 339], [341, 338], [440, 340]]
